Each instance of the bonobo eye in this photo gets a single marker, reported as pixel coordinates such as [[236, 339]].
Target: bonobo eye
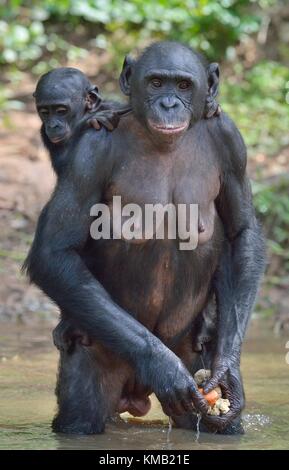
[[61, 110], [43, 112], [156, 82], [184, 84]]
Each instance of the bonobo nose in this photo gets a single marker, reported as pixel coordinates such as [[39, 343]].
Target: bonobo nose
[[53, 125], [168, 102]]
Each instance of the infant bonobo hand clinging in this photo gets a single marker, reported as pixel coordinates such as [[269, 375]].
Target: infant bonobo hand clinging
[[107, 115]]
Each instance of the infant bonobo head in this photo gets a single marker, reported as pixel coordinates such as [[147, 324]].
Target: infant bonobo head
[[62, 97], [168, 86]]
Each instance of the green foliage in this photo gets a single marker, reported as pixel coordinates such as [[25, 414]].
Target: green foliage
[[28, 29], [258, 100], [272, 204]]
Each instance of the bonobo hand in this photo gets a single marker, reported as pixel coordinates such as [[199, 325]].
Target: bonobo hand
[[109, 118], [65, 335], [173, 385], [226, 373], [221, 365]]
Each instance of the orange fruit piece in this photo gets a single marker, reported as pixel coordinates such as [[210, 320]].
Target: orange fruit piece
[[212, 396]]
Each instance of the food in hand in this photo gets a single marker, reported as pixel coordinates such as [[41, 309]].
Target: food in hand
[[212, 396], [218, 405]]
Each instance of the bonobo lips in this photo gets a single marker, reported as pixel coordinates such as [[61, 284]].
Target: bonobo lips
[[58, 139], [168, 129]]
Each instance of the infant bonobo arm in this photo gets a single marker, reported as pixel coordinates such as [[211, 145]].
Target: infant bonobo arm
[[241, 265], [108, 115], [55, 265]]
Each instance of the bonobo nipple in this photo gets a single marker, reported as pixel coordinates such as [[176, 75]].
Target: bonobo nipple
[[201, 227]]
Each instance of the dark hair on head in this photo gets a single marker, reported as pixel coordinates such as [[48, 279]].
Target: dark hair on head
[[76, 79], [171, 44]]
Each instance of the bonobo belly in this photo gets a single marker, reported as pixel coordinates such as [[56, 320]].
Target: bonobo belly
[[160, 285]]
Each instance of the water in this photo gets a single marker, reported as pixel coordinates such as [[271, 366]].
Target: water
[[27, 404]]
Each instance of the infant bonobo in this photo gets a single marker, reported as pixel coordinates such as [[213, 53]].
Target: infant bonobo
[[67, 103]]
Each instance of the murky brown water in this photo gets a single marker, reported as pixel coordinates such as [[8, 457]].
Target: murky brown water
[[27, 379]]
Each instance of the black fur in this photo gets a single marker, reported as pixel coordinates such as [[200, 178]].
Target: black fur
[[138, 302]]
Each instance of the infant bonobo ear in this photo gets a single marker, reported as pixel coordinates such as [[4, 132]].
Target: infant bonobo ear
[[92, 99], [125, 76], [212, 108]]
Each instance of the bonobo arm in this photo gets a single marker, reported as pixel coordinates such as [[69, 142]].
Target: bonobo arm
[[55, 265], [241, 265], [108, 115]]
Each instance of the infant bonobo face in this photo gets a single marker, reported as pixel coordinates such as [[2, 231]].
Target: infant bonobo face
[[58, 119], [167, 86], [62, 97]]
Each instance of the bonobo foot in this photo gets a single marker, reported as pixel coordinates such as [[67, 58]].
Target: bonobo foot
[[65, 336]]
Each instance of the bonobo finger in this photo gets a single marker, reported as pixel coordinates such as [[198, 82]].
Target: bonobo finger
[[123, 111], [106, 122], [95, 124], [184, 401], [166, 407], [187, 405], [199, 402], [176, 408], [215, 380], [219, 423]]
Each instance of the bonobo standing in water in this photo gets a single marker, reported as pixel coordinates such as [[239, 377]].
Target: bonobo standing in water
[[67, 102], [140, 299]]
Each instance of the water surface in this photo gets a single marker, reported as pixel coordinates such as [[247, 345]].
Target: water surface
[[28, 364]]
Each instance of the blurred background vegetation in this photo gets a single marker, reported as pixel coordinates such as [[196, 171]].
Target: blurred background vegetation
[[250, 38]]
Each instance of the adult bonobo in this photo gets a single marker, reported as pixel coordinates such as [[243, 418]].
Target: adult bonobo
[[140, 299], [67, 102]]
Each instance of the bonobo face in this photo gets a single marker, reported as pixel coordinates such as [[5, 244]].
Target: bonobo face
[[167, 88], [62, 98], [58, 117]]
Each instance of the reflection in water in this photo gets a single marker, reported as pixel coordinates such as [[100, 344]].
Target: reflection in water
[[198, 427], [27, 377]]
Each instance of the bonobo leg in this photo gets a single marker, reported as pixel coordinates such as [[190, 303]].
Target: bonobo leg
[[189, 420], [81, 405], [88, 390]]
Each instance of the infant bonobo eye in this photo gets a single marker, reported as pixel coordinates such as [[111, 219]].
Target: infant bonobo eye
[[184, 84], [156, 82], [43, 112], [61, 110]]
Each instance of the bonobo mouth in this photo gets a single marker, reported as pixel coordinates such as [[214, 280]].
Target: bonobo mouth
[[168, 129], [59, 139]]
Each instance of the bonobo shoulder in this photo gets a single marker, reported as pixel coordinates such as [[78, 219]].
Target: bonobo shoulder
[[230, 145], [89, 155]]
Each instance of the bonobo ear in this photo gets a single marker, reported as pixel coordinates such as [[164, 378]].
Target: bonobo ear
[[125, 76], [93, 99], [213, 72]]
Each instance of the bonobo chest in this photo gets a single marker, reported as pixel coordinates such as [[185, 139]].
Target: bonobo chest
[[185, 173]]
